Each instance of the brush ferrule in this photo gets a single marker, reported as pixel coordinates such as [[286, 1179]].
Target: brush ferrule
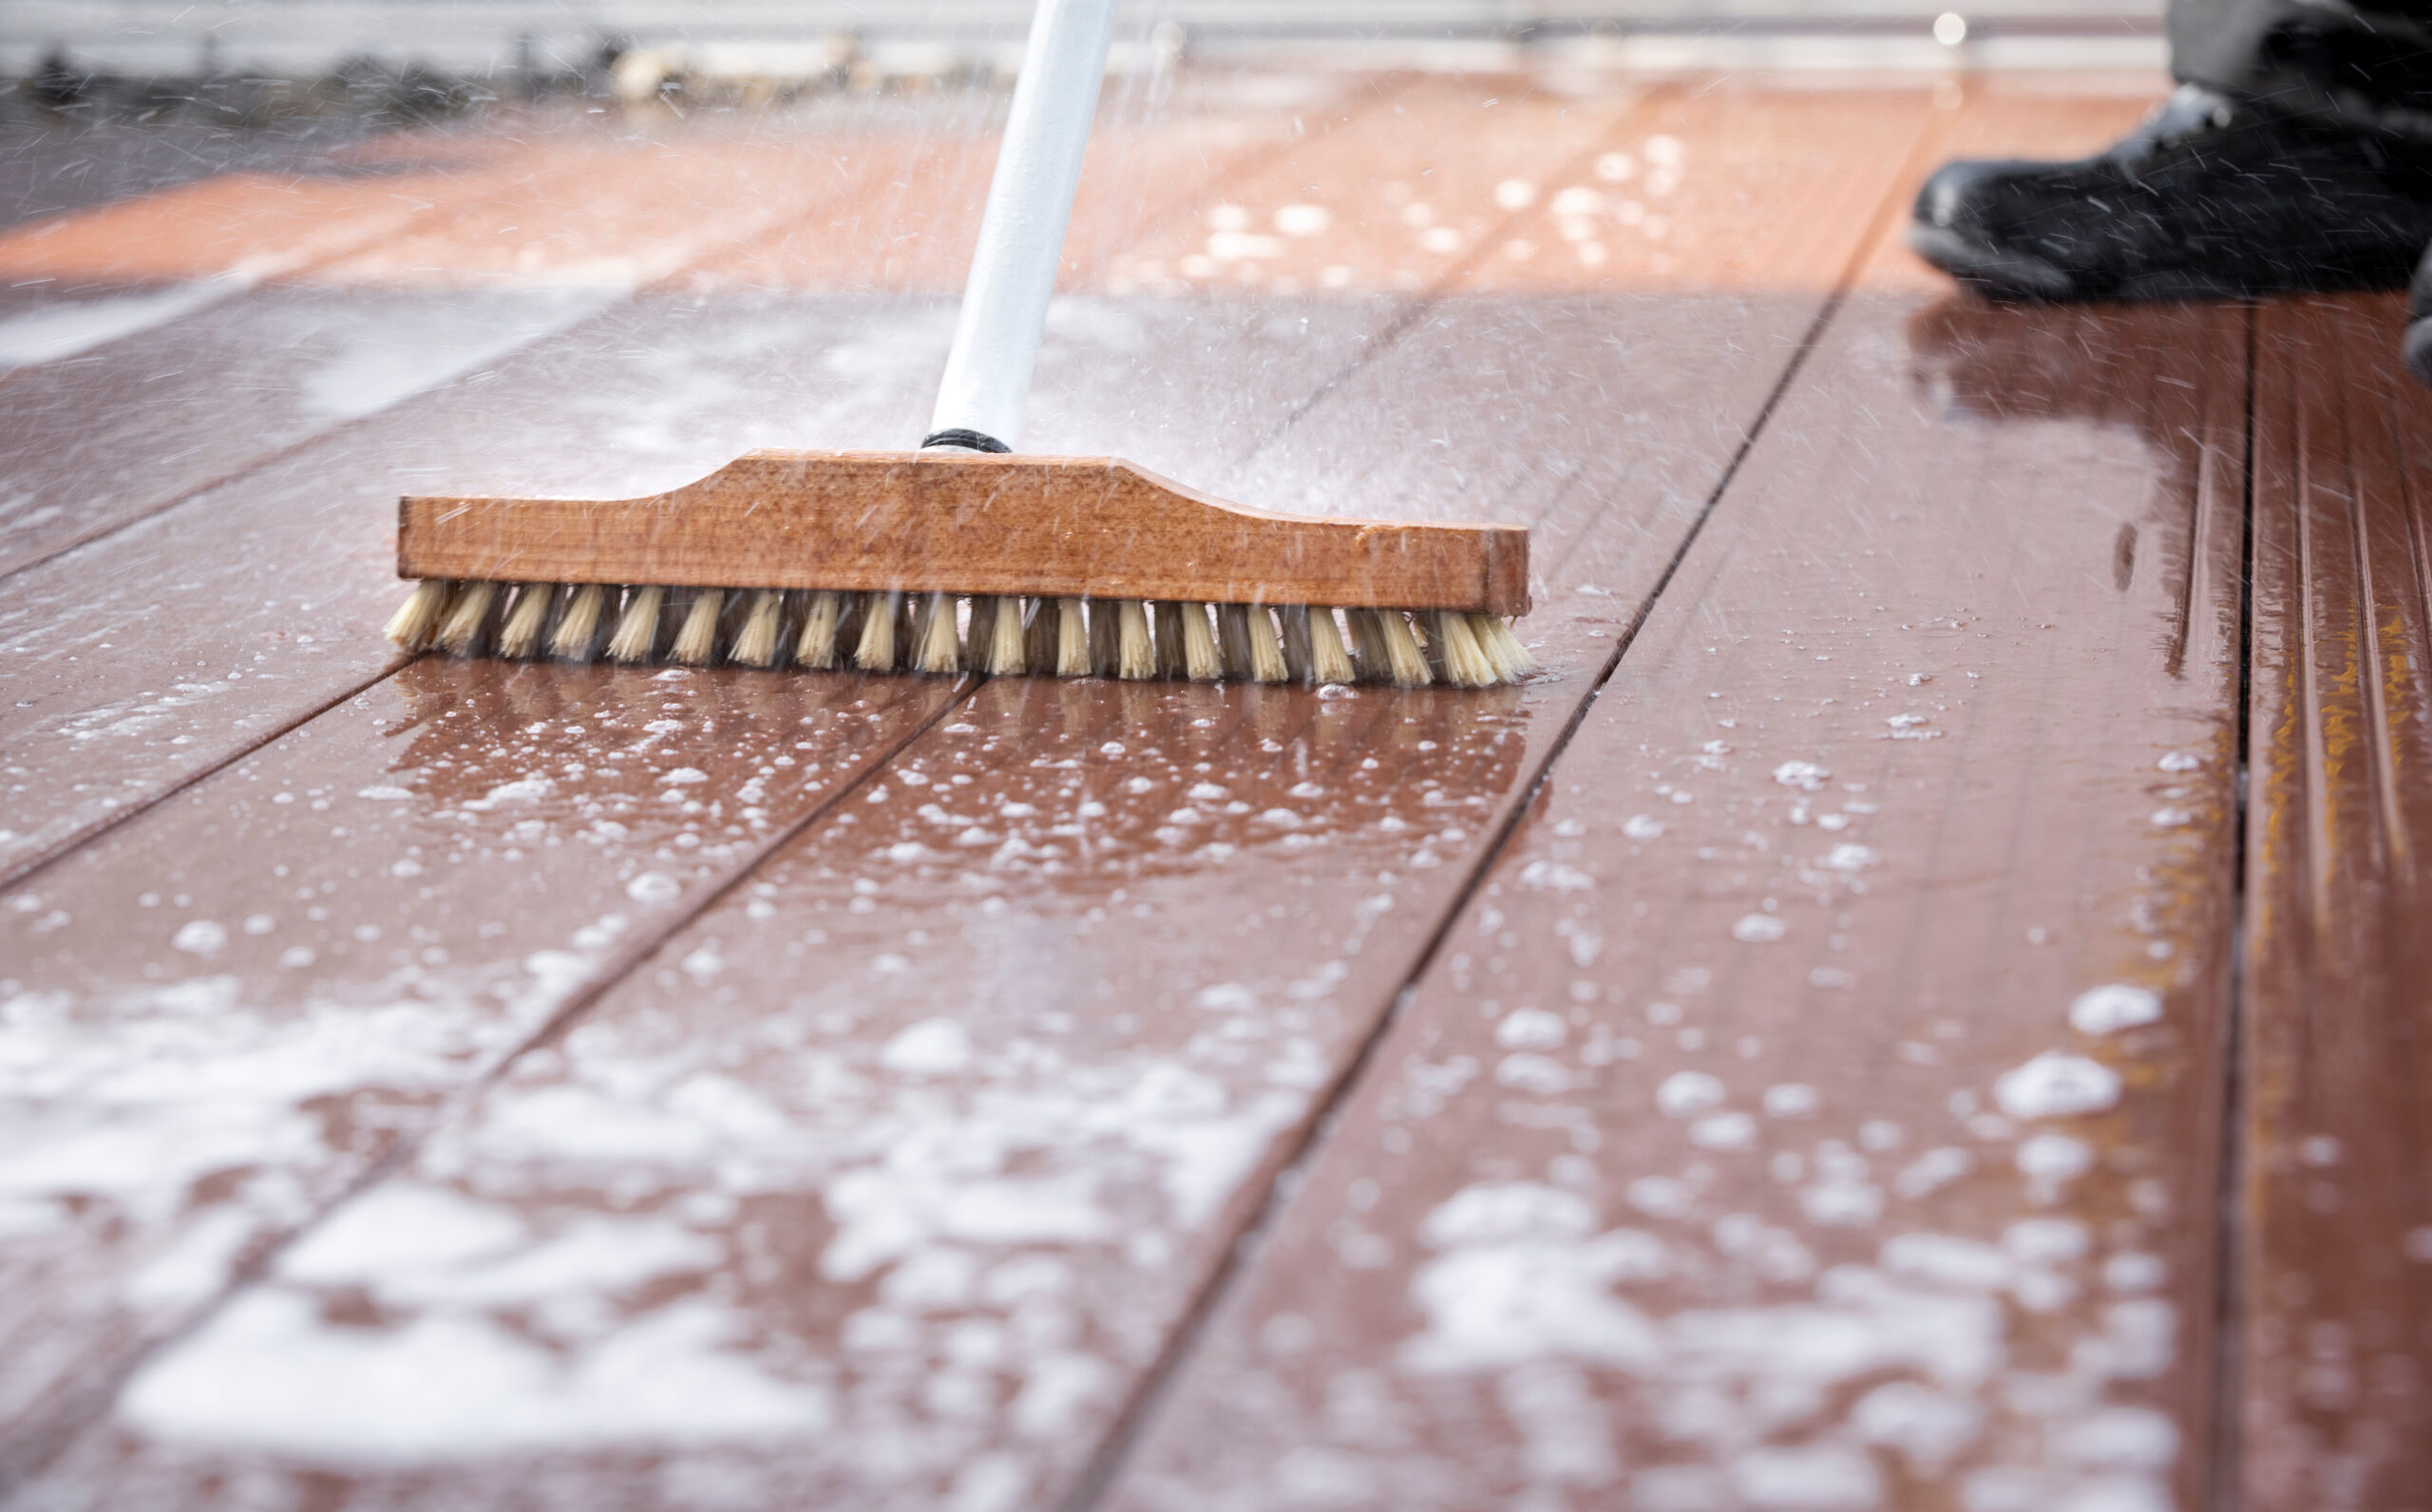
[[959, 439]]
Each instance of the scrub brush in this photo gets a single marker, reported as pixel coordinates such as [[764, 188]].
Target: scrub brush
[[962, 555]]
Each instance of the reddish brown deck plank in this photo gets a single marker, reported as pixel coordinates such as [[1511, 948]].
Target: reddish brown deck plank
[[910, 1156], [1142, 161], [246, 225], [1820, 1106], [90, 442], [83, 279], [2334, 1210], [631, 215], [565, 202]]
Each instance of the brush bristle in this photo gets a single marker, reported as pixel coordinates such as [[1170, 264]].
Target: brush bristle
[[1007, 652], [697, 636], [1136, 650], [1039, 647], [417, 619], [1170, 663], [1106, 638], [637, 636], [881, 616], [1266, 648], [577, 636], [468, 616], [978, 628], [1297, 657], [815, 647], [520, 637], [524, 632], [1511, 659], [1251, 651], [1388, 652], [936, 641], [1465, 662], [755, 644], [1233, 640], [1367, 642], [1201, 661], [1007, 635], [1072, 639], [1330, 659], [1404, 657]]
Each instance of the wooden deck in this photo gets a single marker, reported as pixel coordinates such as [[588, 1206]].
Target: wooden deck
[[1922, 1006]]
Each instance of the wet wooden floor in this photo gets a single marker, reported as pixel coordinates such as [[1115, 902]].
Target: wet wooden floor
[[1921, 1005]]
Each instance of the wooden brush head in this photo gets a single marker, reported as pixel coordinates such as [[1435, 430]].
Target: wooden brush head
[[937, 522]]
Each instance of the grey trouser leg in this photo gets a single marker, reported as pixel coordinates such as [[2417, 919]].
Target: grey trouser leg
[[2364, 62]]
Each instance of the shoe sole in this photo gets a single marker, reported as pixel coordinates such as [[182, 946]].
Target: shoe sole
[[1989, 268], [2005, 274]]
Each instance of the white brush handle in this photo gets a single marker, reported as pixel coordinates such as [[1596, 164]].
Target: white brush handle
[[1021, 237]]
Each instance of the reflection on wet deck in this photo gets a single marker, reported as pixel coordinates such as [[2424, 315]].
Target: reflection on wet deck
[[1919, 987]]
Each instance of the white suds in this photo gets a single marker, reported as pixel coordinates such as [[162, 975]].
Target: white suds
[[2056, 1084]]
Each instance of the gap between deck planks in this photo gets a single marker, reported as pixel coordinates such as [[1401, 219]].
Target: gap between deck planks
[[1171, 1163]]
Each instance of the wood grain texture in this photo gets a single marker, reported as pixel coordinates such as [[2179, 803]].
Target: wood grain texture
[[2335, 1208], [1820, 1104], [585, 211], [94, 442], [1147, 158], [1066, 527], [1445, 173], [1729, 188], [242, 225]]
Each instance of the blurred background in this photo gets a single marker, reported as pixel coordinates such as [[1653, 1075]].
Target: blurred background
[[152, 91]]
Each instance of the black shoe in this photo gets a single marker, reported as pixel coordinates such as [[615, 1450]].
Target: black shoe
[[2206, 199], [2418, 345]]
